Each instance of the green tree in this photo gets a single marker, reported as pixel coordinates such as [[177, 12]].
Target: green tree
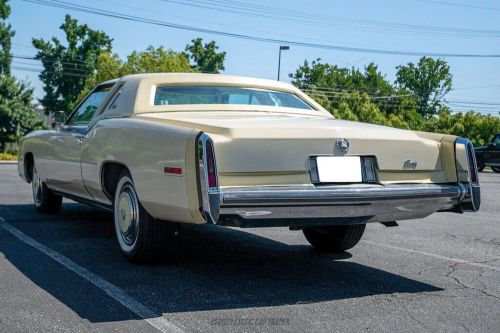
[[16, 110], [6, 35], [334, 82], [430, 80], [67, 68], [474, 126], [353, 94], [413, 102], [152, 60], [17, 117], [205, 56], [155, 60]]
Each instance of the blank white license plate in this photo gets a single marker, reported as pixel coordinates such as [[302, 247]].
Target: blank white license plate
[[339, 169]]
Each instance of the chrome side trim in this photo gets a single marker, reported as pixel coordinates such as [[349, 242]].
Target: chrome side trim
[[209, 198], [87, 201], [306, 205]]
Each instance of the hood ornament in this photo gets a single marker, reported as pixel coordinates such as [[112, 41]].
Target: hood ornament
[[343, 145]]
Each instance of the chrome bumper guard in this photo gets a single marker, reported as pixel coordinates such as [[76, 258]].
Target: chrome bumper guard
[[303, 206]]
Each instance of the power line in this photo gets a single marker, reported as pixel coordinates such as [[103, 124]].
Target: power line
[[459, 108], [116, 15], [245, 8], [459, 5], [184, 18], [75, 63], [348, 93], [336, 88], [311, 89], [35, 70], [473, 102]]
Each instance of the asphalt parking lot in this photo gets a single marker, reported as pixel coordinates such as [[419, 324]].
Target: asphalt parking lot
[[64, 273]]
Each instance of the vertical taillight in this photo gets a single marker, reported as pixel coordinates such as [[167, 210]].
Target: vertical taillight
[[207, 179], [467, 176], [472, 164], [211, 168]]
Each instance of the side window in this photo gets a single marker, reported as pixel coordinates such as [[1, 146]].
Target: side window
[[496, 140], [87, 109], [111, 104]]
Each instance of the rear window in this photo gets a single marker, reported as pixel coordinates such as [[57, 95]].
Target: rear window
[[227, 95]]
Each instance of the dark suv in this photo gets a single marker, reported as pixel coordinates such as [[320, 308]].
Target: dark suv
[[489, 155]]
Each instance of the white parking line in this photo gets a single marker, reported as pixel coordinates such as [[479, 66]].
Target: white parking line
[[433, 255], [153, 318]]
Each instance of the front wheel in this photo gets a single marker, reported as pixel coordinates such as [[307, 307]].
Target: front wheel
[[496, 169], [45, 200], [142, 239], [335, 239]]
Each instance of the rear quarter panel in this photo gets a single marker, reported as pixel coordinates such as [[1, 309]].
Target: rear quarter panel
[[35, 143], [446, 152], [146, 148]]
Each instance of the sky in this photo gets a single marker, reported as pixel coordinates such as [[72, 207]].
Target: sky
[[425, 26]]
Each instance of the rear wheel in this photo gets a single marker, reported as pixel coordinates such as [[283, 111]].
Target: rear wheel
[[45, 200], [496, 169], [142, 239], [333, 239]]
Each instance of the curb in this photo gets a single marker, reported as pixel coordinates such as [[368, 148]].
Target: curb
[[8, 162]]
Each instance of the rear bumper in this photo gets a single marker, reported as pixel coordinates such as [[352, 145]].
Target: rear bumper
[[303, 206]]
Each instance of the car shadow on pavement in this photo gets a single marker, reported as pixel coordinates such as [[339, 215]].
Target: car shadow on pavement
[[219, 268]]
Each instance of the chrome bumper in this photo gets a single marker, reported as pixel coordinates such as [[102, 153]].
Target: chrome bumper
[[303, 206]]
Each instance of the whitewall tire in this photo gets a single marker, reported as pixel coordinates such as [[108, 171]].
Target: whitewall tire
[[141, 238]]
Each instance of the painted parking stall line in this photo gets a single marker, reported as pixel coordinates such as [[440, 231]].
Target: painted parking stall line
[[433, 255], [151, 317]]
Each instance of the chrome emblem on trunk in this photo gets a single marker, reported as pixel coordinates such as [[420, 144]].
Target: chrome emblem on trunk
[[409, 165], [343, 145]]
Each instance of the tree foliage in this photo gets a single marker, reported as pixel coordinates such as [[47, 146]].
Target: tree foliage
[[205, 56], [152, 60], [6, 35], [67, 68], [429, 80], [414, 101], [17, 116]]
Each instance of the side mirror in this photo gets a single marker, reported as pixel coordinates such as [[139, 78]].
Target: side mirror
[[59, 118]]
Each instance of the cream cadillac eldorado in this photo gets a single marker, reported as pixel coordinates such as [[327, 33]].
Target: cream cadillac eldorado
[[161, 150]]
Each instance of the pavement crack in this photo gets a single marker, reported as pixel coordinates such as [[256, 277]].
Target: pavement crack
[[453, 267], [464, 327], [492, 241], [425, 269]]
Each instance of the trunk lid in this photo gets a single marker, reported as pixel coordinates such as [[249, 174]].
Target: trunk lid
[[264, 143]]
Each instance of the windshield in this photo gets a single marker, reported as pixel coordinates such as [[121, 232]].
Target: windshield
[[227, 95]]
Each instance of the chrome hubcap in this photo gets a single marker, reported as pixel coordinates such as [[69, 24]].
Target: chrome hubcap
[[128, 215], [36, 185]]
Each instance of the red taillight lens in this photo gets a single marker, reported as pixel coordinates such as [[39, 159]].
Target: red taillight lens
[[472, 164], [211, 171]]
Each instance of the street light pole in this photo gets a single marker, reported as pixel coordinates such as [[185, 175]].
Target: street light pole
[[284, 48]]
